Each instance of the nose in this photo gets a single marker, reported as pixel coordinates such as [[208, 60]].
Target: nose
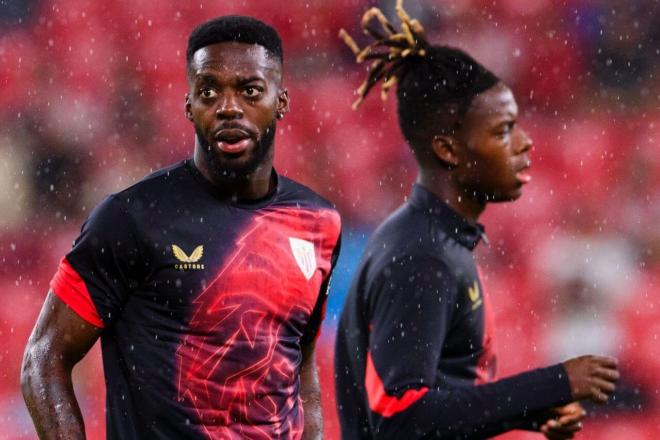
[[525, 143], [228, 107]]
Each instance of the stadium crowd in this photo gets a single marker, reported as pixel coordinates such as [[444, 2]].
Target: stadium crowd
[[92, 100]]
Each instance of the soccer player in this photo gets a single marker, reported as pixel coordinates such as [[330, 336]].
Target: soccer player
[[206, 281], [414, 352]]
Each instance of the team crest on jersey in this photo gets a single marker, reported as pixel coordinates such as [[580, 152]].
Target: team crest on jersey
[[475, 295], [188, 261], [303, 252]]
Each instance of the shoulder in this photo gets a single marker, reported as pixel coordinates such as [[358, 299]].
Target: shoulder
[[292, 192], [146, 199], [410, 267], [406, 249], [160, 181], [417, 276], [116, 212], [298, 197], [403, 234]]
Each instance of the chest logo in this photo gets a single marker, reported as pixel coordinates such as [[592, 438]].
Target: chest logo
[[475, 295], [303, 252], [188, 261]]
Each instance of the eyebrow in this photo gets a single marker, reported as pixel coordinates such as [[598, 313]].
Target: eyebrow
[[509, 115], [249, 79], [240, 80], [504, 120], [205, 78]]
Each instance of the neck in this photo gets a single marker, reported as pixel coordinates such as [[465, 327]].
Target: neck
[[439, 182], [247, 187]]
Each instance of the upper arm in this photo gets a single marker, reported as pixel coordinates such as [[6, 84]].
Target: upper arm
[[58, 334], [410, 311], [318, 312], [88, 288], [104, 265], [308, 349]]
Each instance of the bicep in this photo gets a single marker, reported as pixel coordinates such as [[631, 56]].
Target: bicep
[[308, 372], [318, 312], [409, 320], [59, 331], [308, 350]]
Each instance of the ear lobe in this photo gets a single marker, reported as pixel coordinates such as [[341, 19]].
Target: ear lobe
[[187, 110], [444, 148]]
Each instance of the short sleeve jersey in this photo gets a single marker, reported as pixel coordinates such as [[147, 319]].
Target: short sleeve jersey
[[414, 352], [204, 303]]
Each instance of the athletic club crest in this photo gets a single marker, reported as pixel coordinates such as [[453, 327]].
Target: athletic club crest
[[303, 252]]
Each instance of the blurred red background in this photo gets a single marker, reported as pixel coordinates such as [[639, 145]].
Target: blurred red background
[[92, 100]]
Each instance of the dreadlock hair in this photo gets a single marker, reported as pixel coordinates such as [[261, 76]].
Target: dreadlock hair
[[236, 28], [436, 84]]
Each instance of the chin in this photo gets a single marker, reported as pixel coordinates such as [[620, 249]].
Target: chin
[[502, 197], [515, 195], [242, 164], [236, 168]]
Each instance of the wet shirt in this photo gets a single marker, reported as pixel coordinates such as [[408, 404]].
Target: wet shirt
[[414, 351], [204, 303]]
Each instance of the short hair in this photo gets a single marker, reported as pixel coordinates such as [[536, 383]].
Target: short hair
[[236, 28], [436, 84]]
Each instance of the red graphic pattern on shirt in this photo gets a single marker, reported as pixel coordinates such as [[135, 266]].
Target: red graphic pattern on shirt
[[238, 363]]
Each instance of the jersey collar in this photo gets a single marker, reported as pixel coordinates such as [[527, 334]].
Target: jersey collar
[[453, 224], [239, 203]]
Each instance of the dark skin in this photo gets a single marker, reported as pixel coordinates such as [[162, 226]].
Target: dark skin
[[480, 163], [235, 96], [59, 340], [486, 160]]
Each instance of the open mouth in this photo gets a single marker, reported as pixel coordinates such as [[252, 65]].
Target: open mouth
[[232, 141], [523, 176]]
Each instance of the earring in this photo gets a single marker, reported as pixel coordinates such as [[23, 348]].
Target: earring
[[279, 115]]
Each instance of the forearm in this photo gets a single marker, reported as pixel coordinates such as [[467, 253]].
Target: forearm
[[48, 393], [310, 393], [59, 340], [484, 410]]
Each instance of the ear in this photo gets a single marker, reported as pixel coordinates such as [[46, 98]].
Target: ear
[[283, 103], [444, 148], [187, 110]]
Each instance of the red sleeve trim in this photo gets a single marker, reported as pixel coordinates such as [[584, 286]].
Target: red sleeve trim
[[379, 401], [71, 289]]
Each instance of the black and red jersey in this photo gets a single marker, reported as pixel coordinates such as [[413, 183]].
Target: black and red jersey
[[204, 303], [414, 351]]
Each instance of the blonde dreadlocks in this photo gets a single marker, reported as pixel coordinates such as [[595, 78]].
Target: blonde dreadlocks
[[435, 84], [408, 41]]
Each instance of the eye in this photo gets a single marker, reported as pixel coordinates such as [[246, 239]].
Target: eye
[[252, 91], [506, 129], [207, 93]]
